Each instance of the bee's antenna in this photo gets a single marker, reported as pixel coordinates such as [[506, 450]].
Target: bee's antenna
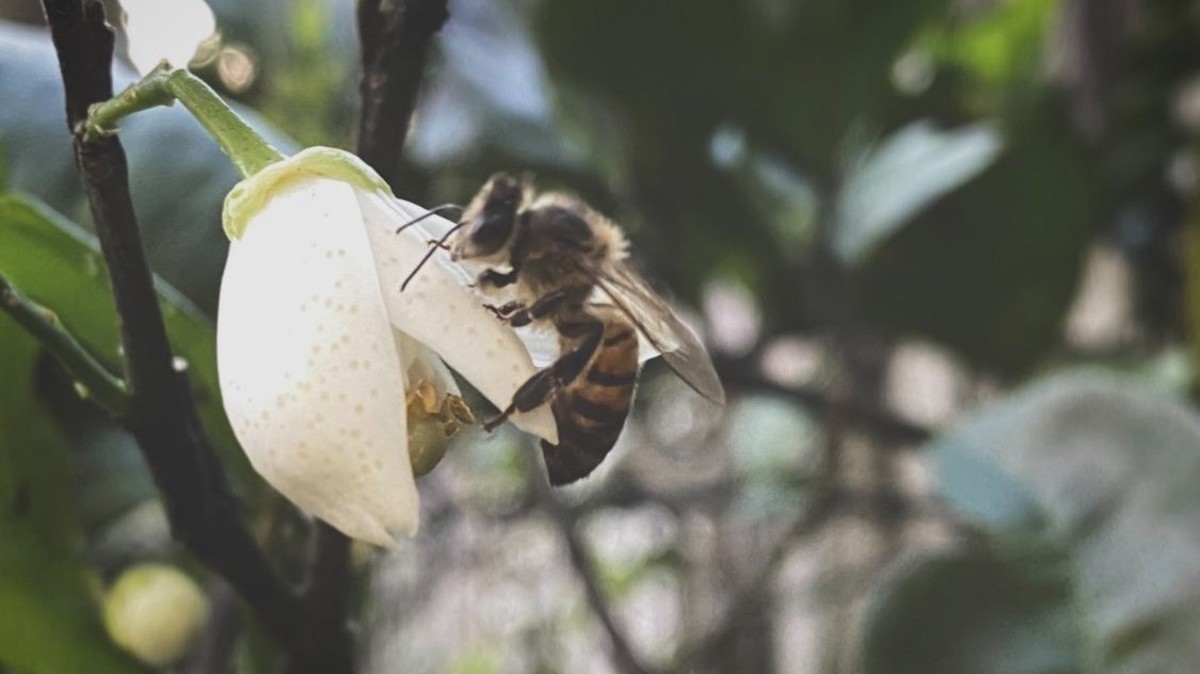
[[433, 211], [432, 249]]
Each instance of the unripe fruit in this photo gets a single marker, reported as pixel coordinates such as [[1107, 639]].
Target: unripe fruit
[[155, 612]]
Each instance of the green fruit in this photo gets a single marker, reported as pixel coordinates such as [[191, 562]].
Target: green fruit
[[155, 612]]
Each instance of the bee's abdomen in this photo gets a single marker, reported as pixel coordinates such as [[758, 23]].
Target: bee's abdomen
[[591, 411]]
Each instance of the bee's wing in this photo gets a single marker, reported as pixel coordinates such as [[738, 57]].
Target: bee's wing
[[671, 337]]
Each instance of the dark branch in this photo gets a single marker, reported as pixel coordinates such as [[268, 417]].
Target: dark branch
[[203, 512], [214, 650], [395, 40], [743, 375], [326, 590]]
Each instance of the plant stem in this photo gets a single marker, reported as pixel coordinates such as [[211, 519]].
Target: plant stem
[[163, 86], [101, 385], [395, 38]]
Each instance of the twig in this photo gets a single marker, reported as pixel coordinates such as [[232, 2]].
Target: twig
[[742, 374], [565, 519], [214, 651], [395, 37], [99, 384], [326, 589], [203, 512]]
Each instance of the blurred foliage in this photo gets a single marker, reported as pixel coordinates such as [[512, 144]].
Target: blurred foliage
[[47, 594], [1091, 548], [932, 170]]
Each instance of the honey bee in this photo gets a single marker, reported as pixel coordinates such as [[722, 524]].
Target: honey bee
[[566, 263]]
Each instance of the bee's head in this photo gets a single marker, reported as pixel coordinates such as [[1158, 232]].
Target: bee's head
[[490, 220]]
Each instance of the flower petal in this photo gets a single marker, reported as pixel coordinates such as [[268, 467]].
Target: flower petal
[[312, 381], [441, 313]]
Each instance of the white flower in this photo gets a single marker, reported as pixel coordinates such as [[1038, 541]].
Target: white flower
[[321, 355]]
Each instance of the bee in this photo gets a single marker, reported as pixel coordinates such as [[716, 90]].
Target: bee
[[567, 265]]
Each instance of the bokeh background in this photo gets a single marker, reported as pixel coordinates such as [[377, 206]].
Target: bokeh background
[[945, 255]]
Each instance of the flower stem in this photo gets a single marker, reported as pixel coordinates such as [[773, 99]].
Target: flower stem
[[163, 86], [101, 385]]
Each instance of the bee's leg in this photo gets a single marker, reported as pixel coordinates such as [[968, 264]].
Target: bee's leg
[[505, 310], [542, 386], [490, 278], [519, 315], [536, 390]]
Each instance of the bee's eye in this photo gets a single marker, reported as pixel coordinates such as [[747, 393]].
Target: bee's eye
[[492, 231]]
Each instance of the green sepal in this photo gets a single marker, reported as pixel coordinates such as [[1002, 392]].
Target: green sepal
[[248, 196]]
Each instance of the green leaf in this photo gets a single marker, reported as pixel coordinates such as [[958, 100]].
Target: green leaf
[[991, 267], [34, 475], [58, 264], [1110, 471], [1003, 46], [896, 180], [837, 58], [49, 622], [968, 612]]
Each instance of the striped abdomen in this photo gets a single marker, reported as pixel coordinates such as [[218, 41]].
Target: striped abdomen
[[591, 409]]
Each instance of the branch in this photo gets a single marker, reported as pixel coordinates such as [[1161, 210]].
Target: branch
[[566, 521], [99, 384], [203, 512], [214, 650], [326, 589], [395, 40], [743, 374]]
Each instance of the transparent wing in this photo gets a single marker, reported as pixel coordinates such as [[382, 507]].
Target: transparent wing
[[671, 337]]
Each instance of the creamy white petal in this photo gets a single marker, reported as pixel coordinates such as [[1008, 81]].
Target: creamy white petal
[[440, 312], [420, 362], [311, 377]]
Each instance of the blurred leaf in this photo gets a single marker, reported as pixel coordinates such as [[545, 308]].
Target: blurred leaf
[[990, 268], [48, 618], [896, 180], [1111, 470], [58, 265], [828, 66], [1004, 45], [34, 474], [960, 612], [111, 475], [645, 110], [49, 622], [983, 494]]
